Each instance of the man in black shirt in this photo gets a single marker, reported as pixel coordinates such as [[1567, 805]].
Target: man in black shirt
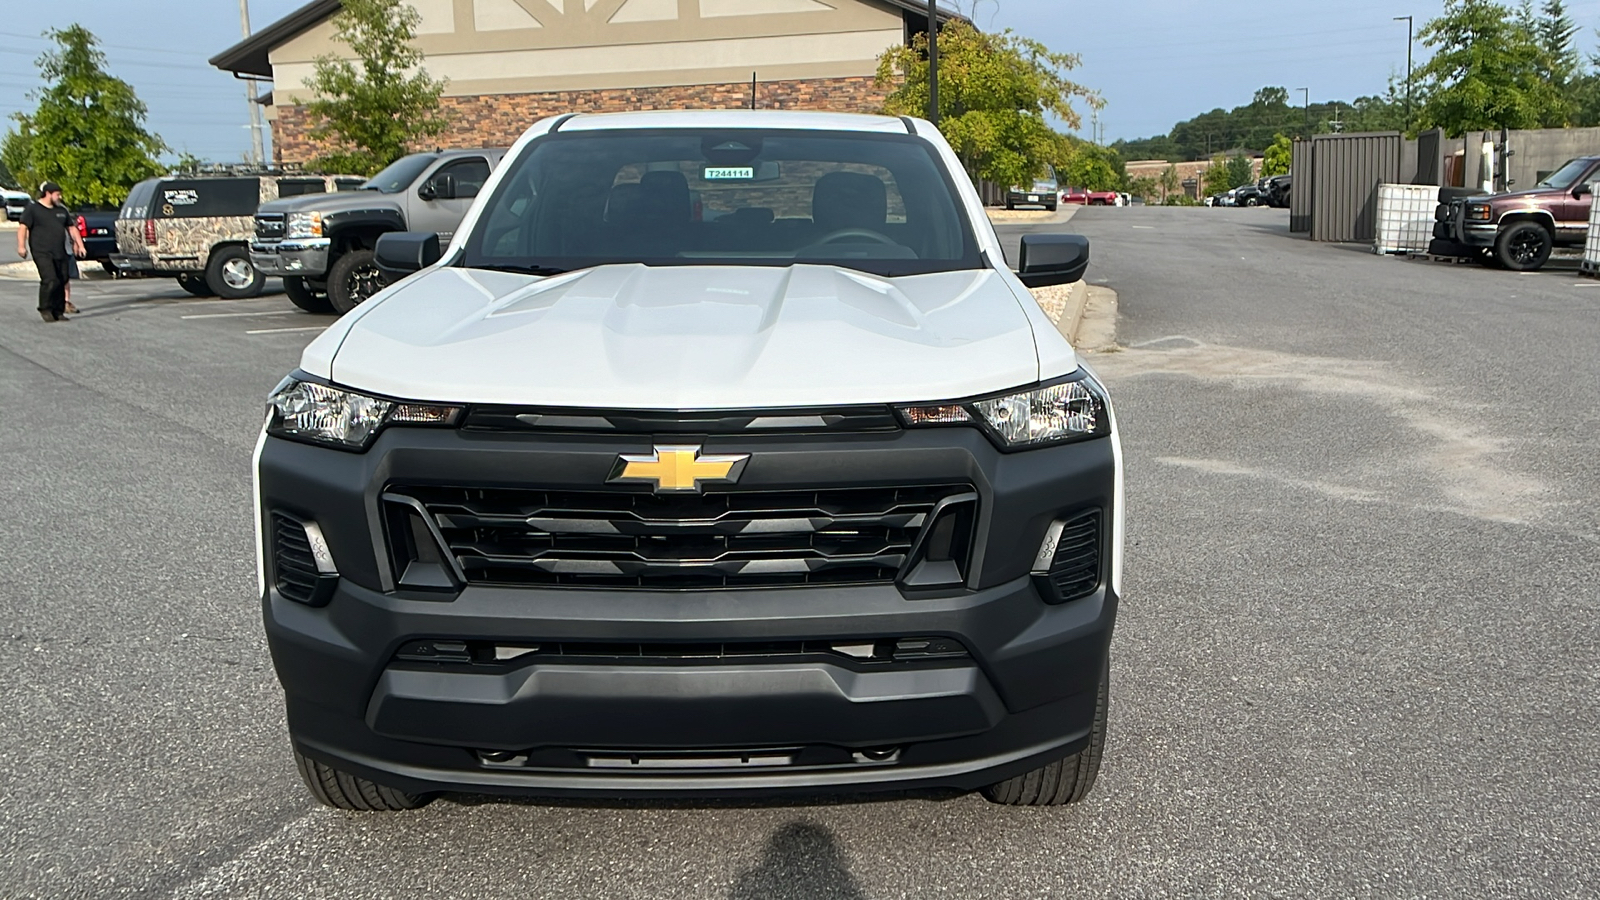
[[45, 231]]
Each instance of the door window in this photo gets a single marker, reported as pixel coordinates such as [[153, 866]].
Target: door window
[[469, 174]]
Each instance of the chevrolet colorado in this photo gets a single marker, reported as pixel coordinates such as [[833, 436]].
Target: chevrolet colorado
[[718, 454]]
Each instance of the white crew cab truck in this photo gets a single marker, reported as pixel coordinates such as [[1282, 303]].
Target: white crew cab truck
[[719, 453]]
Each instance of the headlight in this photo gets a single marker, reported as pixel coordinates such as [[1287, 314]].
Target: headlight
[[333, 417], [1478, 212], [1069, 410], [304, 225]]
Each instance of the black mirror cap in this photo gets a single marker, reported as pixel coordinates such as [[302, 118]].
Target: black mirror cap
[[399, 253], [1583, 190], [1051, 259]]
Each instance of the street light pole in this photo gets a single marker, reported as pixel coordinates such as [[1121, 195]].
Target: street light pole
[[1408, 20], [1306, 92], [257, 149], [933, 61]]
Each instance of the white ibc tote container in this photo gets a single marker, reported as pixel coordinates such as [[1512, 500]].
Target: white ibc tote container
[[1591, 244], [1405, 218]]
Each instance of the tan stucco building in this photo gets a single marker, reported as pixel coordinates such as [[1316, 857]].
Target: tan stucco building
[[510, 62]]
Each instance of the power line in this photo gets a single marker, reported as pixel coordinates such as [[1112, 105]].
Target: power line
[[45, 40]]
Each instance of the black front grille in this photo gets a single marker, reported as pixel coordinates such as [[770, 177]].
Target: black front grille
[[510, 536], [294, 569], [269, 226], [1075, 572]]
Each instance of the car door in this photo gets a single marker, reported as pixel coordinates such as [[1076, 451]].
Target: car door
[[426, 210], [1572, 213]]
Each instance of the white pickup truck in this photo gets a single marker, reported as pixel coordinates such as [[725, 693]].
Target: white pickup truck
[[718, 453]]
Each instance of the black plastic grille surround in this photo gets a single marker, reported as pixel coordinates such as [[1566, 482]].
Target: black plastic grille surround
[[721, 539], [269, 226], [294, 569], [1075, 571]]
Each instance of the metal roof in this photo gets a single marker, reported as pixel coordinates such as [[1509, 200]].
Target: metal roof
[[249, 56]]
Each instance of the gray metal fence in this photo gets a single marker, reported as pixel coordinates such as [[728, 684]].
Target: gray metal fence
[[1346, 172], [1300, 190]]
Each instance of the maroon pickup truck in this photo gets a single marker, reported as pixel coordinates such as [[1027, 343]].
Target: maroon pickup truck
[[1518, 230]]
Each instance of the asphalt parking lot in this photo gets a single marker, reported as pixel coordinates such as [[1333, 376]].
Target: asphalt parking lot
[[1358, 657]]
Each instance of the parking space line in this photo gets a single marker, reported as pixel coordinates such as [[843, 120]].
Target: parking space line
[[287, 330], [232, 315]]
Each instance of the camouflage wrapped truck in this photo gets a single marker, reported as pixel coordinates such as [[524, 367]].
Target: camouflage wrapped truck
[[197, 228]]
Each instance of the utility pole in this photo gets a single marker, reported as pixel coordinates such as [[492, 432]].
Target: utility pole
[[257, 149], [1306, 93], [1408, 69], [933, 61], [1094, 127]]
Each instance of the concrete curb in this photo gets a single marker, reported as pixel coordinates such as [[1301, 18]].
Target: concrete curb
[[1085, 314]]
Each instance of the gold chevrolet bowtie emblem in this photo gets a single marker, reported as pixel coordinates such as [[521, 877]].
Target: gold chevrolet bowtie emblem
[[681, 468]]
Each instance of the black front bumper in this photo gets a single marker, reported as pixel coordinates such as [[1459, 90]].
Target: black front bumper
[[1023, 694]]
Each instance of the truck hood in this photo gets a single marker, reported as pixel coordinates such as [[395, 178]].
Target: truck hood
[[339, 201], [1515, 198], [701, 337]]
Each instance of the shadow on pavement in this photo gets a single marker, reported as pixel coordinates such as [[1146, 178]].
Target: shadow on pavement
[[802, 861]]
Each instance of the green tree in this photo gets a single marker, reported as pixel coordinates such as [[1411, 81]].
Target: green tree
[[1171, 183], [87, 133], [1276, 160], [1215, 178], [1554, 31], [1089, 166], [995, 94], [374, 108], [1488, 71], [1240, 171], [1145, 186]]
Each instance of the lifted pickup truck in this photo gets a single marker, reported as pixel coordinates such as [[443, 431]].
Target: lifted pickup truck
[[1518, 230], [719, 453], [322, 245]]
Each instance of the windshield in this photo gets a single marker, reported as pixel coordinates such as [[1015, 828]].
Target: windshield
[[877, 203], [1044, 184], [1567, 175], [399, 174]]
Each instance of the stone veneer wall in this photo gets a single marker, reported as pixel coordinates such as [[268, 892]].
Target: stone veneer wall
[[496, 120]]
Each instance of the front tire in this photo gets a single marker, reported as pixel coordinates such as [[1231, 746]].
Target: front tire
[[1524, 247], [232, 276], [301, 295], [1252, 202], [1065, 780], [195, 283], [341, 790], [353, 278]]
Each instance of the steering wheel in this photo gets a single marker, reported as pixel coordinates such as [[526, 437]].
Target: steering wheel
[[834, 237]]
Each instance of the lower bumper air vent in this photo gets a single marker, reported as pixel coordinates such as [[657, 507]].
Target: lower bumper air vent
[[302, 567], [1068, 567]]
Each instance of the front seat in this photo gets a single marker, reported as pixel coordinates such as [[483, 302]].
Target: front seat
[[849, 200]]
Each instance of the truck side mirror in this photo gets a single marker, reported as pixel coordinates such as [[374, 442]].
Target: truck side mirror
[[1050, 259], [1583, 189], [439, 187], [399, 253]]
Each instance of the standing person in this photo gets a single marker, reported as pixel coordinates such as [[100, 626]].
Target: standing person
[[45, 233], [73, 234]]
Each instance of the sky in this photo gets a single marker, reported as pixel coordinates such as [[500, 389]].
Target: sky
[[1155, 62]]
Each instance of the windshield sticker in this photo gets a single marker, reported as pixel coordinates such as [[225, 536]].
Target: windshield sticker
[[181, 198], [730, 173]]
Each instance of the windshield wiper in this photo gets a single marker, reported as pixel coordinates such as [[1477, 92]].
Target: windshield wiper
[[522, 270]]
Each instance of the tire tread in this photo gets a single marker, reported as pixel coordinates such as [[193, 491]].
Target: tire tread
[[1066, 780], [341, 790]]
